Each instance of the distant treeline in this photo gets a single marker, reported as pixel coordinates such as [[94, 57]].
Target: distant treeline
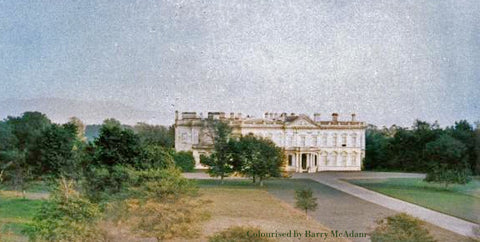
[[423, 147]]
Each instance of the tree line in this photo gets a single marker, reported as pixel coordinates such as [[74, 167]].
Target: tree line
[[32, 147], [448, 154]]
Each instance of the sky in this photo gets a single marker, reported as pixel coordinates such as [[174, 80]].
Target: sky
[[391, 62]]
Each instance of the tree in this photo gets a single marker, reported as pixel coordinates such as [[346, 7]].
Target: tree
[[220, 161], [17, 136], [116, 145], [448, 161], [376, 149], [184, 160], [67, 216], [259, 158], [154, 156], [305, 200], [155, 135], [54, 151], [464, 132], [79, 127]]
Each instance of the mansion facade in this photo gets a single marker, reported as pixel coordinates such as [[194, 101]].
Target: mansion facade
[[310, 144]]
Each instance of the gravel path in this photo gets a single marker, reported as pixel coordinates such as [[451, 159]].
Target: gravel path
[[334, 180]]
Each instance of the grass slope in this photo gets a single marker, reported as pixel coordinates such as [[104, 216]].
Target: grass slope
[[461, 201], [15, 214]]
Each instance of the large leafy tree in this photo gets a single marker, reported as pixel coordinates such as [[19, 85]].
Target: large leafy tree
[[116, 145], [18, 136], [55, 151], [464, 132], [259, 158], [448, 159], [220, 162], [113, 156]]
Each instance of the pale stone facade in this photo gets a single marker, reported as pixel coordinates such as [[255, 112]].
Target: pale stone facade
[[311, 145]]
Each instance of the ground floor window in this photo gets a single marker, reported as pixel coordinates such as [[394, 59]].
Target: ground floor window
[[290, 160]]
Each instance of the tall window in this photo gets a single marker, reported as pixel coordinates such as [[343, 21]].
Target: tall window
[[302, 141], [334, 140], [354, 140], [290, 160], [325, 140], [314, 141], [344, 140]]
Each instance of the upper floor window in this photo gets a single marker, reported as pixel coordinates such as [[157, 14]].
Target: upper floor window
[[344, 140], [302, 141], [354, 140]]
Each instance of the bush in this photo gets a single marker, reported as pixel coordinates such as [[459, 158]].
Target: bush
[[165, 184], [66, 217], [401, 227], [184, 160], [178, 219], [238, 234]]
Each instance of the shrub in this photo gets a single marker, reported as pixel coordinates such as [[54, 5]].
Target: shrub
[[165, 184], [178, 219], [184, 160], [305, 200], [401, 227], [66, 217], [238, 234]]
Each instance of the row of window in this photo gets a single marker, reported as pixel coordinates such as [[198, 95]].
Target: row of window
[[332, 159], [322, 140], [315, 140]]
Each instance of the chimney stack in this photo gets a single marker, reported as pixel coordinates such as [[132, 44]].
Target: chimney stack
[[176, 114], [316, 117], [335, 117], [353, 117]]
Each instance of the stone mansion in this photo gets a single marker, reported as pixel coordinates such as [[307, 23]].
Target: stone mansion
[[310, 143]]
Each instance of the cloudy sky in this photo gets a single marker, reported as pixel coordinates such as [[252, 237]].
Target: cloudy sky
[[388, 61]]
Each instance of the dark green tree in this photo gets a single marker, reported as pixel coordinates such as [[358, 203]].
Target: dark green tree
[[54, 151], [259, 158], [116, 145], [464, 132], [155, 156], [220, 161], [305, 200], [184, 160], [448, 159]]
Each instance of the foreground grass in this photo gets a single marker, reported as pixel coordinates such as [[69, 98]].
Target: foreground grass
[[239, 205], [461, 201], [15, 214]]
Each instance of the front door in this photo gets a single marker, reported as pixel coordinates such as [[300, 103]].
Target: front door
[[304, 161]]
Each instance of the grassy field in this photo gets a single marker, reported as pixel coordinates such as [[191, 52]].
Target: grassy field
[[15, 214], [461, 201]]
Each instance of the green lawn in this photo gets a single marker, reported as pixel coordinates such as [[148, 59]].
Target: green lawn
[[16, 212], [461, 201]]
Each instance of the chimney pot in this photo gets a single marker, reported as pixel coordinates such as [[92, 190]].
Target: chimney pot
[[335, 117]]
